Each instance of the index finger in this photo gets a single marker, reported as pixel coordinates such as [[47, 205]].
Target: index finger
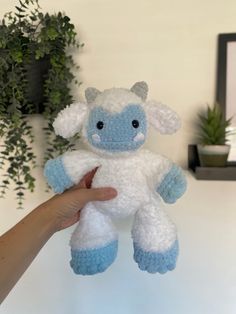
[[86, 181]]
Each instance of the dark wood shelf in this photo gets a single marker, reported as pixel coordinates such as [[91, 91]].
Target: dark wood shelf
[[227, 173]]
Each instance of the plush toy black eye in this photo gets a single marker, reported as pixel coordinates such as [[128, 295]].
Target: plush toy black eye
[[135, 124], [100, 125]]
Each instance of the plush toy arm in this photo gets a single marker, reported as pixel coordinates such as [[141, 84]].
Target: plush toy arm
[[164, 177], [56, 175], [67, 170], [173, 185]]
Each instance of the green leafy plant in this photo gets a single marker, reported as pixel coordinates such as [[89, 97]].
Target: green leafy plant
[[213, 126], [28, 36]]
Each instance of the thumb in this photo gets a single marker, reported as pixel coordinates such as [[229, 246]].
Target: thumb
[[95, 194]]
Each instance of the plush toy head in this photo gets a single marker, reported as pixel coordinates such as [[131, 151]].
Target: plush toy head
[[116, 120]]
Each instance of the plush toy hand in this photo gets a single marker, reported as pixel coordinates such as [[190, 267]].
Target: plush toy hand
[[56, 175], [173, 185]]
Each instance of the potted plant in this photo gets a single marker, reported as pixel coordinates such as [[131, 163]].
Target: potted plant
[[36, 72], [213, 150]]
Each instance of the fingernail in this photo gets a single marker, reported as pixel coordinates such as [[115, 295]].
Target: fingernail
[[110, 192]]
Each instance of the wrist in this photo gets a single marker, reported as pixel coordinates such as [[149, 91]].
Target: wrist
[[48, 217]]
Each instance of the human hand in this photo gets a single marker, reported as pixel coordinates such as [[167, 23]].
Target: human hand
[[65, 208]]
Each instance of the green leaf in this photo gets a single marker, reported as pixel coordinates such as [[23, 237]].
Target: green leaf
[[52, 33], [20, 16], [39, 54], [19, 9], [33, 18], [23, 5]]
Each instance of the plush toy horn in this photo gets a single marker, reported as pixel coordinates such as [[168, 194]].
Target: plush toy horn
[[91, 93], [140, 89], [70, 120], [162, 118]]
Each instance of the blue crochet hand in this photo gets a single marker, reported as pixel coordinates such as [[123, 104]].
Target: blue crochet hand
[[156, 262], [56, 175], [93, 261], [173, 185]]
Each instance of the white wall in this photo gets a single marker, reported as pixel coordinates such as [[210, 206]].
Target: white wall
[[171, 45]]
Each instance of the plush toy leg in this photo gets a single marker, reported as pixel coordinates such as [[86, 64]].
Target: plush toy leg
[[94, 242], [155, 239]]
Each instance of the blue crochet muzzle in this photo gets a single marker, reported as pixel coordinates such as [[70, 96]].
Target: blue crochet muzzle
[[117, 132]]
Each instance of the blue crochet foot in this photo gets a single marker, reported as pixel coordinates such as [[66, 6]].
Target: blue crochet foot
[[154, 262], [93, 261]]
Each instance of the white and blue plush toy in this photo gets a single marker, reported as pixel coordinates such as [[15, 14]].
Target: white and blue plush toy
[[114, 125]]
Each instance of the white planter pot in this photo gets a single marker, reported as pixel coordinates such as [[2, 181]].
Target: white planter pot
[[213, 155]]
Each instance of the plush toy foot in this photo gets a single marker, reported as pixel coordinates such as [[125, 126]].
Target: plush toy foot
[[93, 261], [154, 262]]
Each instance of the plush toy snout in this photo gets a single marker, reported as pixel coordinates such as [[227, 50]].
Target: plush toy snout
[[122, 131]]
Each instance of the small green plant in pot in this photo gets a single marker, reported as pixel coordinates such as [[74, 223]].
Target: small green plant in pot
[[213, 150]]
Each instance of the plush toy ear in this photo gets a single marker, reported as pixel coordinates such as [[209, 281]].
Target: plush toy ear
[[162, 118], [91, 93], [70, 120], [140, 89]]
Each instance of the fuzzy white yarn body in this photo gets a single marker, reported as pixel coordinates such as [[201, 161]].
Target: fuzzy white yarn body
[[135, 177]]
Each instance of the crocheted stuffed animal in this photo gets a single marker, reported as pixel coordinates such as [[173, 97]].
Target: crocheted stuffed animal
[[114, 125]]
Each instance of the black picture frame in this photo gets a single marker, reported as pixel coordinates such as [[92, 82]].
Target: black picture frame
[[223, 40], [221, 84]]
